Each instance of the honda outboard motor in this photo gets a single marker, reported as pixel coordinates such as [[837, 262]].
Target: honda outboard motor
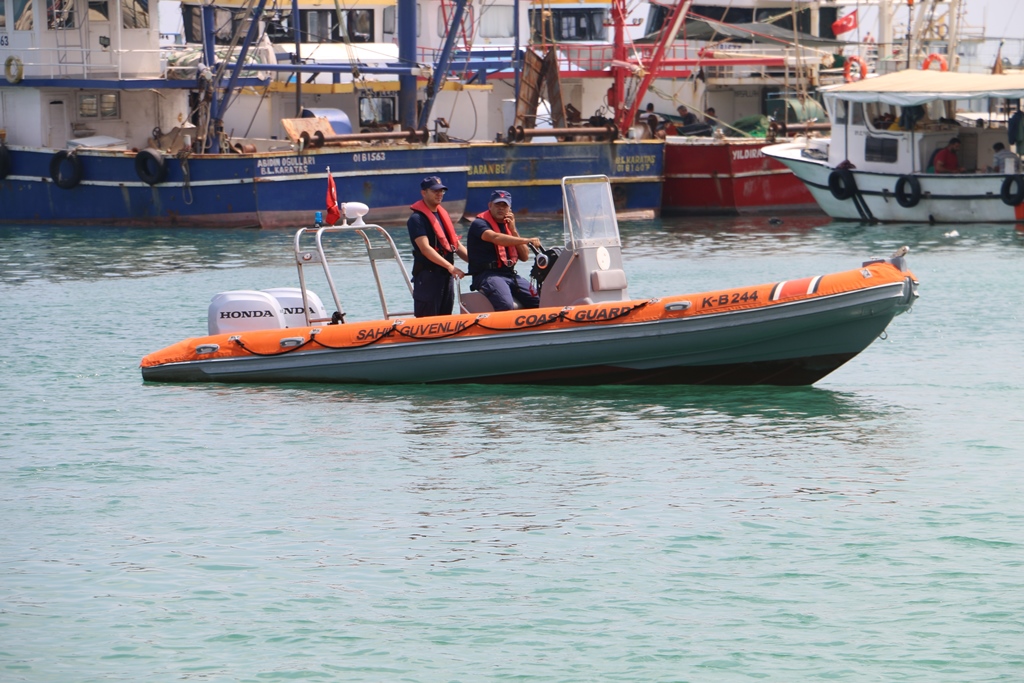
[[244, 310]]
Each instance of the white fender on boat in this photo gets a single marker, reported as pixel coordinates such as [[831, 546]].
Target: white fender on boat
[[14, 70]]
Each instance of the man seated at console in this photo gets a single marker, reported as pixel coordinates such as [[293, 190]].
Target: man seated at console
[[494, 246]]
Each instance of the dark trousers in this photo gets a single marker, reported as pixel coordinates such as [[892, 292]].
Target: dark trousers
[[503, 287], [432, 293]]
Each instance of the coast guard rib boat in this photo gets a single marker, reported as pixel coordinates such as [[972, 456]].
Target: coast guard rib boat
[[588, 329]]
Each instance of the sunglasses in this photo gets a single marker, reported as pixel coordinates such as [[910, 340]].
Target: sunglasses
[[441, 191]]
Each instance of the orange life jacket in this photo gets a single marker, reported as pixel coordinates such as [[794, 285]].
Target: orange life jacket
[[447, 240], [506, 255]]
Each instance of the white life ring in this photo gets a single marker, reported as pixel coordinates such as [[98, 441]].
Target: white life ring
[[14, 70]]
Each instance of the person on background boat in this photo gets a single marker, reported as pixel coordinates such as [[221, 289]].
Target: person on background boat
[[710, 117], [649, 112], [642, 129], [839, 59], [1001, 156], [657, 130], [434, 246], [494, 247], [947, 159], [689, 118]]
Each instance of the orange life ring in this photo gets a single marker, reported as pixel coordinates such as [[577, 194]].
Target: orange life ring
[[847, 76], [943, 66]]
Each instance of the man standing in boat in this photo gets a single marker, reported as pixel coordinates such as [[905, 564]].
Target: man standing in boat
[[494, 247], [434, 246]]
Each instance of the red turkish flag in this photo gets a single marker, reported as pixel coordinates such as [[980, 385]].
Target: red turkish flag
[[847, 23], [333, 212]]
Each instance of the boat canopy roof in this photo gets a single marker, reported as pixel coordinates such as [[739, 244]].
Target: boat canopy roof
[[709, 30], [913, 86]]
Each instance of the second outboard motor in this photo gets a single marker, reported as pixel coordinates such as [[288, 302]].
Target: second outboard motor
[[290, 299]]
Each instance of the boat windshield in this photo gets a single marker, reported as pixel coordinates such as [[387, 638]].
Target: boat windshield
[[589, 212]]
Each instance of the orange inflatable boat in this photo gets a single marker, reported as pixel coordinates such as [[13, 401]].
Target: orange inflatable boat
[[587, 330]]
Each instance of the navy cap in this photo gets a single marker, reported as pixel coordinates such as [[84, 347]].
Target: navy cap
[[502, 196], [432, 182]]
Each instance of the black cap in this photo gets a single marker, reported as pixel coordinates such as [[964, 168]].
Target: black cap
[[432, 182], [502, 196]]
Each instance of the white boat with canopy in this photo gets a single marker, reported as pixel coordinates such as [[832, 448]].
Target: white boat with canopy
[[877, 165]]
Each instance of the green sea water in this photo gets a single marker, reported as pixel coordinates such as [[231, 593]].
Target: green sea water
[[868, 528]]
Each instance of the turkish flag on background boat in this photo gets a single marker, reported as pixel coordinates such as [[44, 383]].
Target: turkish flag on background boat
[[333, 212], [847, 23]]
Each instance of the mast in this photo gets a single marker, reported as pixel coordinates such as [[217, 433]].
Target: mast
[[884, 29], [617, 95], [624, 118], [443, 61], [212, 127], [954, 35], [407, 56]]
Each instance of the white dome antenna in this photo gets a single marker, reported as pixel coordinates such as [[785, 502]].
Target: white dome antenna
[[355, 211]]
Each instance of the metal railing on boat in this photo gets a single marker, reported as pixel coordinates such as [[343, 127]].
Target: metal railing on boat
[[379, 248]]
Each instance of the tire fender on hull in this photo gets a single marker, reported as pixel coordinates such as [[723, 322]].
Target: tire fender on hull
[[150, 166], [842, 184], [908, 191], [65, 170], [5, 162], [1012, 191]]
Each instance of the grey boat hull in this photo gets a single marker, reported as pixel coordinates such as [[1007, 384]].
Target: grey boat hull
[[788, 343]]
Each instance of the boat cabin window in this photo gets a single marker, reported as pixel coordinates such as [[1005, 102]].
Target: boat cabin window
[[317, 26], [781, 17], [22, 18], [134, 13], [321, 26], [444, 17], [99, 105], [855, 109], [497, 21], [377, 110], [3, 24], [99, 10], [839, 113], [60, 14], [885, 150], [857, 114], [388, 19], [223, 23], [359, 25], [568, 25]]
